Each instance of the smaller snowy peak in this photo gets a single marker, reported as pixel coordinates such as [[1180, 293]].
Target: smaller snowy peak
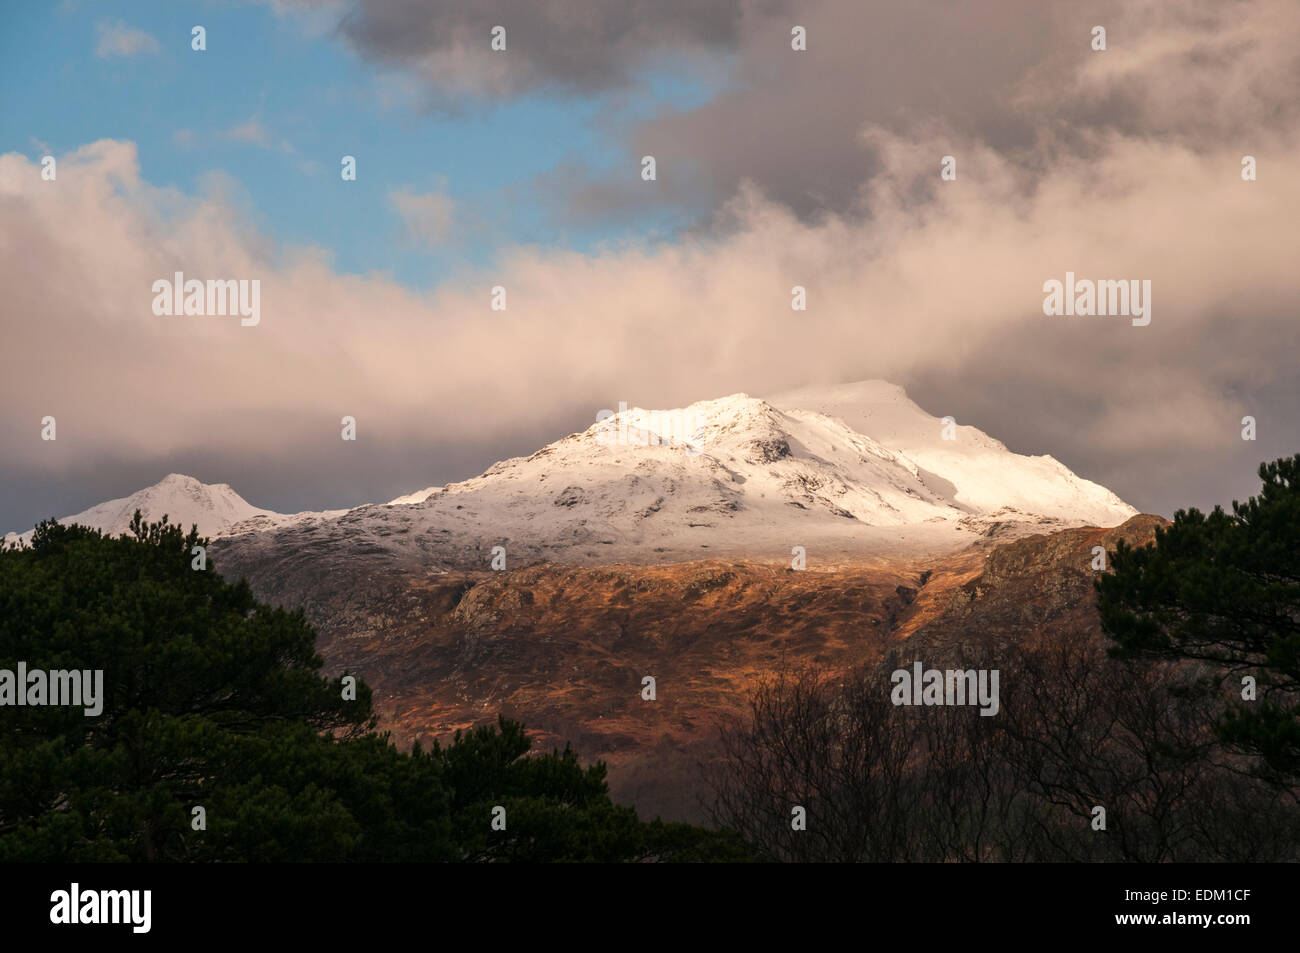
[[214, 507]]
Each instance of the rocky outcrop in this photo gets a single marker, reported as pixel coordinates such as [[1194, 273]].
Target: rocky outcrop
[[566, 649], [1035, 587]]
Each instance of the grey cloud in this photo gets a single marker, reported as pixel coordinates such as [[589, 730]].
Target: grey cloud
[[1010, 74], [551, 43], [314, 476], [1014, 75], [1156, 417]]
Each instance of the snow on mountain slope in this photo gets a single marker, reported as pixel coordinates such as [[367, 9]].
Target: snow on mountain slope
[[417, 497], [848, 472], [215, 508], [982, 472]]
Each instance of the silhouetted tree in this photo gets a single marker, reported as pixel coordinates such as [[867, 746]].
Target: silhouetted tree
[[1075, 730], [1224, 589], [213, 700]]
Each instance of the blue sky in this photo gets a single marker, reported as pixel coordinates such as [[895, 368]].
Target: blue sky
[[274, 108]]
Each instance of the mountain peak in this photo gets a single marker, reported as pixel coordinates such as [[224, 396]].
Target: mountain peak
[[854, 469], [851, 469], [184, 500]]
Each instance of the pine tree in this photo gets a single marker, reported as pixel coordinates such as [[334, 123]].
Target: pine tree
[[214, 700], [1224, 589]]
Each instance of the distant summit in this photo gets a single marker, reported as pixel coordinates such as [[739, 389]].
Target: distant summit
[[848, 471], [215, 508], [851, 470]]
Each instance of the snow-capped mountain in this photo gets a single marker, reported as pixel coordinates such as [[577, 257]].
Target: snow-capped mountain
[[215, 508], [851, 471], [857, 470]]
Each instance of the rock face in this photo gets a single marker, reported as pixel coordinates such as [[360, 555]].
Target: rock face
[[1033, 588], [566, 648]]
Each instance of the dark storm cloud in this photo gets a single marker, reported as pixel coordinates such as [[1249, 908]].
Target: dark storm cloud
[[793, 122], [564, 44]]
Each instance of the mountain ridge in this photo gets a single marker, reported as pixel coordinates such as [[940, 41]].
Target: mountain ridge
[[842, 470]]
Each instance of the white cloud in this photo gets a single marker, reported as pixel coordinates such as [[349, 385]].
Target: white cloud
[[315, 17], [428, 218], [118, 39], [253, 132]]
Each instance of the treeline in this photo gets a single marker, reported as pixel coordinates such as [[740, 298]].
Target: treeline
[[1076, 731], [1175, 738], [220, 741]]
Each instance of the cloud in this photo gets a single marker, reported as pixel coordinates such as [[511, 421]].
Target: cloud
[[939, 289], [551, 44], [316, 17], [427, 219], [1008, 73], [118, 39], [252, 132]]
